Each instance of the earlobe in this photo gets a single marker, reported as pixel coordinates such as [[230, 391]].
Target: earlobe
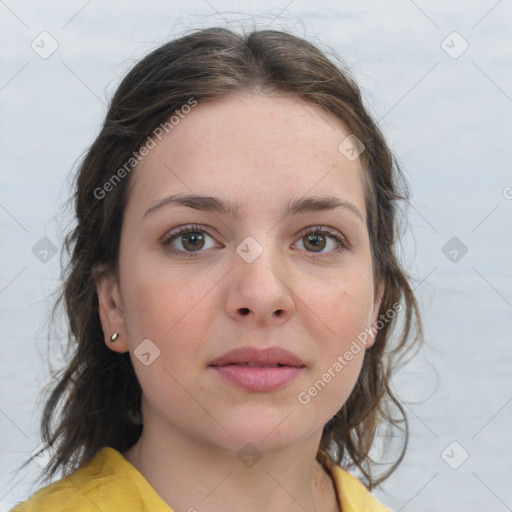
[[111, 309]]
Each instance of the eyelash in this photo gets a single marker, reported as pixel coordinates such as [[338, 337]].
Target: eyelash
[[340, 241]]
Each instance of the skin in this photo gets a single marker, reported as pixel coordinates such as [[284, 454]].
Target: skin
[[260, 151]]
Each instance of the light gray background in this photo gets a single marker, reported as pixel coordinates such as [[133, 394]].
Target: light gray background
[[448, 120]]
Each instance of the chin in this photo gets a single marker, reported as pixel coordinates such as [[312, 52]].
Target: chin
[[266, 435]]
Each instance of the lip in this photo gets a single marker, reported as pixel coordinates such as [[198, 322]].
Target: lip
[[270, 356], [258, 370]]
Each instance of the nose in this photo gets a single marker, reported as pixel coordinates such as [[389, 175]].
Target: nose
[[260, 292]]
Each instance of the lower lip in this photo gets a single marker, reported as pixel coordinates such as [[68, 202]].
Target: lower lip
[[258, 378]]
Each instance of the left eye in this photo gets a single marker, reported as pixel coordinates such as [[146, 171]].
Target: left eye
[[320, 239]]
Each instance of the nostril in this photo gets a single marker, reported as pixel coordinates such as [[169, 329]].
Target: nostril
[[244, 311]]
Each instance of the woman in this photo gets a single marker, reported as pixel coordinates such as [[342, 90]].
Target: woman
[[232, 290]]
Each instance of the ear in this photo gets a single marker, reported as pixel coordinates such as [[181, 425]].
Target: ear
[[374, 314], [111, 308]]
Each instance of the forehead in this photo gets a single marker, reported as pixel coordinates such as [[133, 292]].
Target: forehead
[[250, 147]]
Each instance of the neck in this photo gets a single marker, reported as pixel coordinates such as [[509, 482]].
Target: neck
[[193, 476]]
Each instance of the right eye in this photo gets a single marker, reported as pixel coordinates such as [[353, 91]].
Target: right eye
[[188, 240]]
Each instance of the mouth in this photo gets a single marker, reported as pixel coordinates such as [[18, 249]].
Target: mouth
[[272, 357], [256, 365], [258, 370]]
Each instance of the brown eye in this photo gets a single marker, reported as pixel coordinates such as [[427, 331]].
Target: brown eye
[[192, 241], [314, 242], [323, 241], [189, 240]]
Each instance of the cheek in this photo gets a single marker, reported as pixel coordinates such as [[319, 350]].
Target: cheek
[[159, 302], [341, 308], [173, 313]]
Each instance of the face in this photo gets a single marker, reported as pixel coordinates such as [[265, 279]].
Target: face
[[276, 270]]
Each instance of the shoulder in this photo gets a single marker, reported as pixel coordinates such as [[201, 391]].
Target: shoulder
[[355, 497], [352, 494], [106, 483]]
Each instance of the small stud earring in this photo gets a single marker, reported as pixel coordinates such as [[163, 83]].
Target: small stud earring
[[114, 336]]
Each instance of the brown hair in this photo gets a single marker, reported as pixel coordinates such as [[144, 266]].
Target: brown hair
[[96, 399]]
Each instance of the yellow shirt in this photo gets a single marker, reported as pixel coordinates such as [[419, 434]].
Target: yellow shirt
[[109, 483]]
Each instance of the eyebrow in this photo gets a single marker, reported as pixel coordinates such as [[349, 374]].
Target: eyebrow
[[293, 207]]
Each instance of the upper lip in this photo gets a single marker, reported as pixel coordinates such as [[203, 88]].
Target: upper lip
[[271, 356]]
